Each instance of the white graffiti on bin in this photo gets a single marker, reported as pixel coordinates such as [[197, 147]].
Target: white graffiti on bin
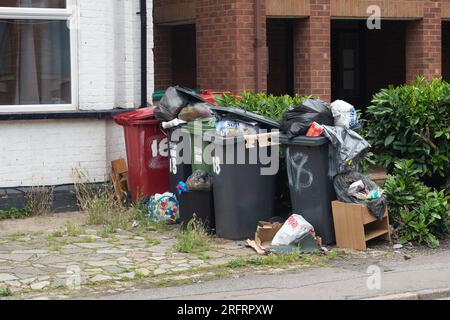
[[296, 170]]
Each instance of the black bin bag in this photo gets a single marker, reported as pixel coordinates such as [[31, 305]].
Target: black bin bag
[[174, 100], [342, 182], [297, 121], [170, 105]]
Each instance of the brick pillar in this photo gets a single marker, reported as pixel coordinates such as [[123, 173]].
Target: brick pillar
[[226, 43], [423, 44], [312, 51], [162, 57]]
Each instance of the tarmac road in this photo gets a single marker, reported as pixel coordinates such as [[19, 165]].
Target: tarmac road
[[422, 277]]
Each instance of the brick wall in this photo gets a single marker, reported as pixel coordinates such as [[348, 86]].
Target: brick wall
[[163, 57], [45, 152], [446, 50], [423, 43], [312, 59], [226, 45]]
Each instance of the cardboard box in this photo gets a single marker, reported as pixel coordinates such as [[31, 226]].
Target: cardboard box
[[265, 232]]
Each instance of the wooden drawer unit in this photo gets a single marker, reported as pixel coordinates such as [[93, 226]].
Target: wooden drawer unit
[[354, 225]]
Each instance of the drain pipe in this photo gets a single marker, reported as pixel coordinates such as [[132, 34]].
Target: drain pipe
[[258, 45], [143, 14]]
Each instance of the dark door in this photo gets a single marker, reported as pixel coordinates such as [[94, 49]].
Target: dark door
[[184, 56], [280, 77], [348, 79]]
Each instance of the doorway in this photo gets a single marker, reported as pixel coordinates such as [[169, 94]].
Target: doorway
[[280, 44], [365, 61], [184, 56]]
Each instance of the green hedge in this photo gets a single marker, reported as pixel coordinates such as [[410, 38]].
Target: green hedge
[[261, 103], [418, 213], [413, 122]]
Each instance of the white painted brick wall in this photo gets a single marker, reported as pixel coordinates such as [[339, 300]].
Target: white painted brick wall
[[45, 152], [109, 51]]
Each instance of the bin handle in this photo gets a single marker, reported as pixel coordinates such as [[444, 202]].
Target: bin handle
[[250, 141], [163, 131], [264, 139], [269, 139]]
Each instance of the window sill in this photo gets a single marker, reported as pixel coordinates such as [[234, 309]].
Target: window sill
[[58, 115]]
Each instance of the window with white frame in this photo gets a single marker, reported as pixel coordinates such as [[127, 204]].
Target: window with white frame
[[37, 55]]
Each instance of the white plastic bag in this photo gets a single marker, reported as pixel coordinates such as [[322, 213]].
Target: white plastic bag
[[293, 229], [344, 114]]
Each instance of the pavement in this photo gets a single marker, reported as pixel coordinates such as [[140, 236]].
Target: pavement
[[58, 263], [40, 258], [422, 277]]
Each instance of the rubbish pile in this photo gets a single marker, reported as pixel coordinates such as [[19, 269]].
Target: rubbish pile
[[227, 191], [323, 153], [353, 187], [179, 106], [296, 235]]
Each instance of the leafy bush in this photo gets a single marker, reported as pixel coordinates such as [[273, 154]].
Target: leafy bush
[[419, 213], [413, 122], [16, 213], [261, 103]]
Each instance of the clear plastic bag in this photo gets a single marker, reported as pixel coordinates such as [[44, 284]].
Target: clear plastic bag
[[344, 114], [195, 111]]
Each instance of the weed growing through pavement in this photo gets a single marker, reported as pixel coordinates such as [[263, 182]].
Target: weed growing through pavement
[[55, 249], [203, 257], [97, 202], [106, 232], [57, 234], [282, 259], [194, 238], [16, 236], [40, 200], [5, 292], [102, 207], [73, 229]]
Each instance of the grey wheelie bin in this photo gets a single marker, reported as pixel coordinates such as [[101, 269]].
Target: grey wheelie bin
[[244, 181], [310, 165]]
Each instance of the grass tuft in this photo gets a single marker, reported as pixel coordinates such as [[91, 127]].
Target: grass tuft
[[282, 260], [193, 239], [40, 200], [5, 292], [73, 229]]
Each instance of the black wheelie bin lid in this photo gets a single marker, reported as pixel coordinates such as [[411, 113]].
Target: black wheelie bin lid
[[304, 141], [311, 141], [246, 116]]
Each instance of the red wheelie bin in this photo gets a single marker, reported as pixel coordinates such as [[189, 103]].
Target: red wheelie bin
[[147, 153]]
